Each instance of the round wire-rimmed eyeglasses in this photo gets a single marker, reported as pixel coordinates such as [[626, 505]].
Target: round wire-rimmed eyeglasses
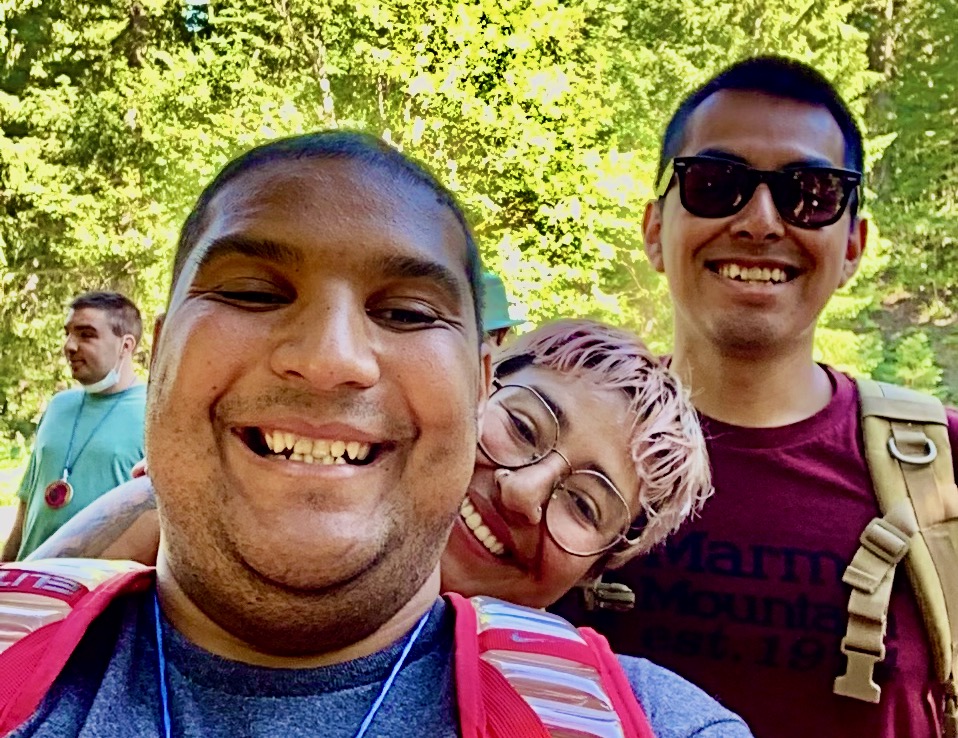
[[585, 514]]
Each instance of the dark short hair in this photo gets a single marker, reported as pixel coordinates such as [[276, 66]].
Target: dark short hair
[[775, 76], [351, 146], [124, 316]]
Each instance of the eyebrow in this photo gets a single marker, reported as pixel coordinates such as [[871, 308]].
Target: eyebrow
[[79, 327], [722, 154], [402, 266], [553, 406], [812, 161], [394, 266], [254, 248]]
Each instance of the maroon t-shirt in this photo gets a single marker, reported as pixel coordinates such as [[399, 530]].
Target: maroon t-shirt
[[747, 601]]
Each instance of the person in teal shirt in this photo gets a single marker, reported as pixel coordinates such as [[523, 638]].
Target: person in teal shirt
[[89, 438]]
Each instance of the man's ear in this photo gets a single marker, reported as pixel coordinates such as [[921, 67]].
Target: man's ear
[[128, 344], [854, 249], [652, 229], [157, 332]]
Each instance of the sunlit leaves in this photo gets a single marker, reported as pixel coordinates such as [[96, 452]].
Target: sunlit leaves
[[543, 116]]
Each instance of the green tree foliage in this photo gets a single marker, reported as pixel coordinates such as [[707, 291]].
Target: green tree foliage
[[543, 116], [914, 45], [911, 362]]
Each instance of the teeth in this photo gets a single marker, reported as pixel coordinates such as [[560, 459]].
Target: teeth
[[303, 446], [752, 274], [473, 521], [315, 451]]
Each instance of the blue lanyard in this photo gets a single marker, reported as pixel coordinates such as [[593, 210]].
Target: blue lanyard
[[363, 727], [67, 464]]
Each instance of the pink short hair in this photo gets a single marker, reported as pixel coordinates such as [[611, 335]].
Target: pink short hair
[[666, 441]]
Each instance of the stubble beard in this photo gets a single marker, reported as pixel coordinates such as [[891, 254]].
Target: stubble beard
[[278, 619], [285, 621], [742, 338]]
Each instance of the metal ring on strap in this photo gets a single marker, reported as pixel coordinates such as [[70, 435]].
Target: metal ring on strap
[[929, 456]]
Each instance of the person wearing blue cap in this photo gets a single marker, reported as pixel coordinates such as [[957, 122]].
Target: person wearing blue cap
[[496, 321]]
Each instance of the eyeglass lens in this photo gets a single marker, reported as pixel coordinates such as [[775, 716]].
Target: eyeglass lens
[[585, 513], [808, 197], [518, 429]]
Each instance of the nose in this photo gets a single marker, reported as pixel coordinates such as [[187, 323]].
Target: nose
[[329, 345], [525, 492], [759, 219], [70, 345]]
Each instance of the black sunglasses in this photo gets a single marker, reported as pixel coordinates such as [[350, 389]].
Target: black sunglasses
[[806, 197]]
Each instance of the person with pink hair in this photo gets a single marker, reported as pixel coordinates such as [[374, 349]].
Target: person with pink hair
[[590, 454]]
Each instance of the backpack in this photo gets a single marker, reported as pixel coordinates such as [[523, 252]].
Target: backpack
[[518, 671], [909, 460]]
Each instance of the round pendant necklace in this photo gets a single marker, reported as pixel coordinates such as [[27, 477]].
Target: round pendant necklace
[[363, 726], [59, 492]]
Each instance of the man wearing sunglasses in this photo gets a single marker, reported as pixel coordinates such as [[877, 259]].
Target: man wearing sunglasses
[[755, 226]]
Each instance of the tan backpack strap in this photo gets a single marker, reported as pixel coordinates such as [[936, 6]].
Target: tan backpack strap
[[870, 574], [909, 458]]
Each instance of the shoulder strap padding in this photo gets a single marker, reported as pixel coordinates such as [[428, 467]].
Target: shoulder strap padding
[[29, 667], [909, 459], [892, 402], [626, 703], [932, 561], [488, 706], [514, 664]]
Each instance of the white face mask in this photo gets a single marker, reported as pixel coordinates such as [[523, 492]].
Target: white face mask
[[109, 381]]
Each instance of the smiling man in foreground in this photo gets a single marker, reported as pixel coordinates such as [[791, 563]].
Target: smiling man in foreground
[[311, 430]]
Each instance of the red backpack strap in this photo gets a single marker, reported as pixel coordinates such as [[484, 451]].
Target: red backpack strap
[[626, 703], [45, 609], [526, 672], [488, 705], [472, 714]]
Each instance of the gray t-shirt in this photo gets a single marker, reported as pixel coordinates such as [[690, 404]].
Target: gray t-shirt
[[110, 687]]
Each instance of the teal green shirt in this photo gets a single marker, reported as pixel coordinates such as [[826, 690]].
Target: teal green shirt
[[109, 451]]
